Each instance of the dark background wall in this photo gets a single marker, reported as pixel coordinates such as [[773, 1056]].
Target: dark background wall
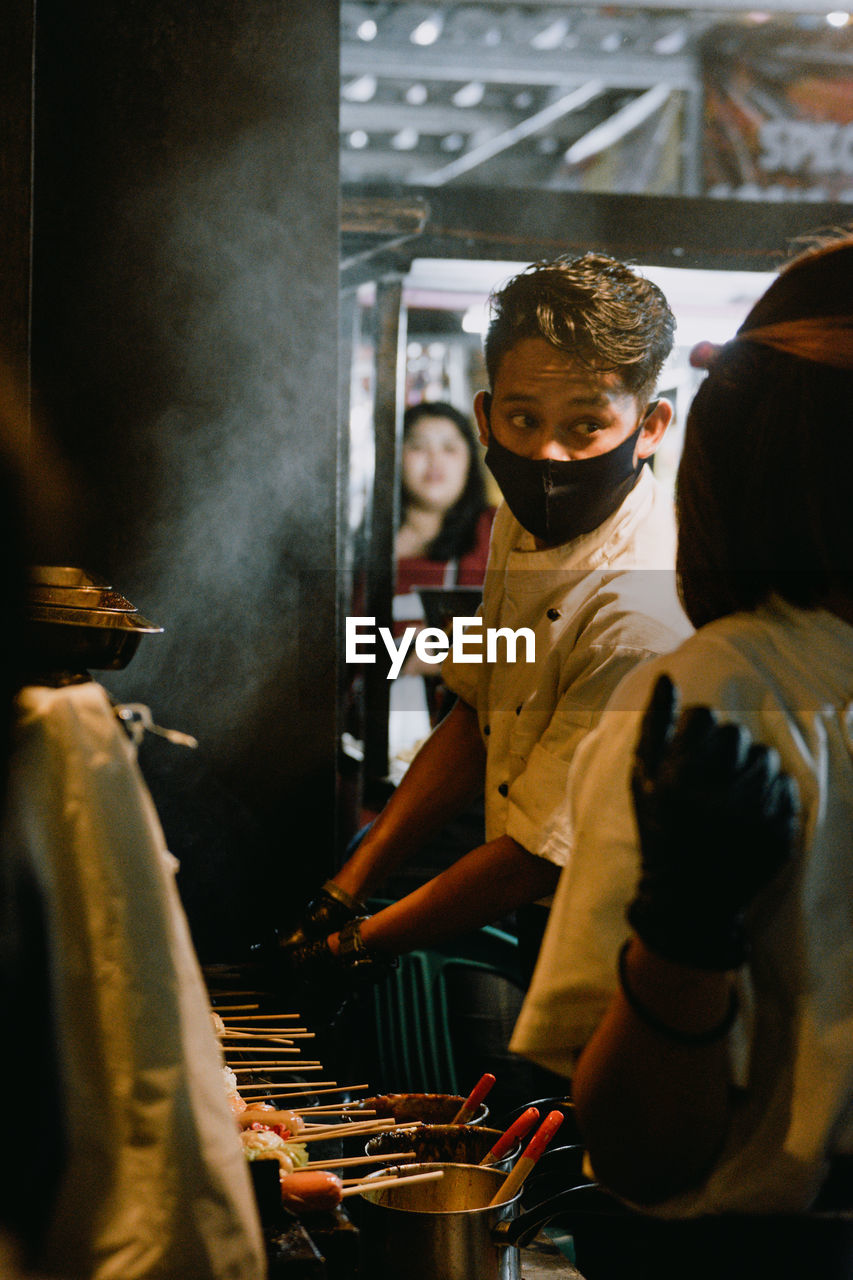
[[184, 356]]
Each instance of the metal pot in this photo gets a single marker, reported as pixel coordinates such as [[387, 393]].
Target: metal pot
[[73, 621], [430, 1108], [442, 1230], [447, 1230]]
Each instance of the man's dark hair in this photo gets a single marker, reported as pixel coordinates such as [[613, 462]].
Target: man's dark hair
[[458, 532], [763, 491], [599, 311]]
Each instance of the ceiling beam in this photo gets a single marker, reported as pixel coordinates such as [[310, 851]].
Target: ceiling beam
[[708, 7], [433, 119], [618, 126], [511, 67], [524, 129]]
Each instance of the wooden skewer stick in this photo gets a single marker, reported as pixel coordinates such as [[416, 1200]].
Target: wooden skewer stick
[[265, 1033], [261, 1017], [226, 994], [346, 1161], [279, 1091], [390, 1175], [280, 1052], [252, 1068], [271, 1037], [322, 1133], [330, 1109], [235, 1007], [255, 1093], [432, 1176], [270, 1033], [328, 1134]]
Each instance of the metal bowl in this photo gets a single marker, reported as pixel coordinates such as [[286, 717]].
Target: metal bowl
[[430, 1108], [72, 621]]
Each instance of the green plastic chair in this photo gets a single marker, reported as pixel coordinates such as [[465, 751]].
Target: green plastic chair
[[413, 1008]]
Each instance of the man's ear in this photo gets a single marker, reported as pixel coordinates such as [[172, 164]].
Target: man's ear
[[657, 419], [482, 412]]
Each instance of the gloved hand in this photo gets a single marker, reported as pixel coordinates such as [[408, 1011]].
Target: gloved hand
[[717, 819], [327, 913], [322, 982]]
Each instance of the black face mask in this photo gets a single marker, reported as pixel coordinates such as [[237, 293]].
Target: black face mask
[[559, 501]]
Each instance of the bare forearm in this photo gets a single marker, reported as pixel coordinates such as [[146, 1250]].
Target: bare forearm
[[480, 888], [445, 776], [653, 1112]]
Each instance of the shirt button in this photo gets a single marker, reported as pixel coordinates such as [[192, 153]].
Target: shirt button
[[553, 614], [504, 788], [487, 729]]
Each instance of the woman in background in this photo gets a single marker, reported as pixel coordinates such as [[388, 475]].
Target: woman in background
[[442, 541]]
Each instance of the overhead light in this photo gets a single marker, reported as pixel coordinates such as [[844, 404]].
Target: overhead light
[[405, 140], [838, 18], [492, 38], [470, 95], [612, 41], [427, 32], [672, 42], [360, 90], [358, 139], [367, 30], [523, 100], [416, 94], [453, 142], [552, 35]]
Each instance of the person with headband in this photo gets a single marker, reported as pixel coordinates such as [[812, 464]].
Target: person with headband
[[582, 554], [709, 1038]]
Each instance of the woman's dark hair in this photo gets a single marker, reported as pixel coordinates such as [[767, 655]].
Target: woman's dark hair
[[764, 485], [459, 527]]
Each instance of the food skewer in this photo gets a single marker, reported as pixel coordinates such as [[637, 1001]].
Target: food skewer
[[262, 1017], [344, 1162], [254, 1067], [390, 1175], [359, 1187], [240, 1033], [337, 1131], [231, 1049], [330, 1109], [282, 1091], [230, 995], [262, 1033]]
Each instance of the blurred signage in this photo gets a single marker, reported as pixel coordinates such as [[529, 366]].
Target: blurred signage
[[778, 112]]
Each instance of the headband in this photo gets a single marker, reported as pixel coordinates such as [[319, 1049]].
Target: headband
[[824, 340]]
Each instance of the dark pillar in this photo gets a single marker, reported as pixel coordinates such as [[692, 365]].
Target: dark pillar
[[185, 356], [390, 345]]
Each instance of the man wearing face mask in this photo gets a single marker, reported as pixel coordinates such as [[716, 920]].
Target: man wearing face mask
[[583, 554]]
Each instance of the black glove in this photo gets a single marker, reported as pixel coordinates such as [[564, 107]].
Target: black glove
[[717, 818], [327, 913], [322, 982]]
